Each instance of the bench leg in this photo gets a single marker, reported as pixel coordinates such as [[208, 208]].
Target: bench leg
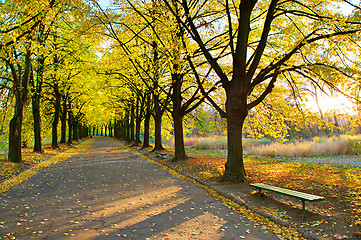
[[304, 209], [260, 193]]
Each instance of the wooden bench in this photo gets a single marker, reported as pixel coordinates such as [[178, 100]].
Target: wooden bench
[[290, 193], [160, 154]]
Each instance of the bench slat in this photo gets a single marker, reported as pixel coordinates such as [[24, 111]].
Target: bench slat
[[288, 192]]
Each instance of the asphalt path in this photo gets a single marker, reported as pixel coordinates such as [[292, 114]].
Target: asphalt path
[[109, 192]]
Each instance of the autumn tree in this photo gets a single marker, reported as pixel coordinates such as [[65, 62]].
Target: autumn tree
[[266, 42], [143, 61], [17, 43]]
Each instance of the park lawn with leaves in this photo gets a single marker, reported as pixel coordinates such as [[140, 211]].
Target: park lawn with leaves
[[10, 169], [340, 185]]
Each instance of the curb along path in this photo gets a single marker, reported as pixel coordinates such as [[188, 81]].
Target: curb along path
[[106, 191]]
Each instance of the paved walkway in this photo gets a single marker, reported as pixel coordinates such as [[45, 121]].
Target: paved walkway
[[108, 192]]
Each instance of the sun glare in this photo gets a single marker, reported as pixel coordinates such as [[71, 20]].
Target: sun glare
[[340, 104]]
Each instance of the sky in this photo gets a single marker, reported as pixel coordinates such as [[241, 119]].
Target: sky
[[104, 3]]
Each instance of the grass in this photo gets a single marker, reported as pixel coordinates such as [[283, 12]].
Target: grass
[[342, 145], [220, 143], [340, 184]]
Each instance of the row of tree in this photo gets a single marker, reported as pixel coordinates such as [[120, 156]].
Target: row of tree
[[252, 60], [45, 61]]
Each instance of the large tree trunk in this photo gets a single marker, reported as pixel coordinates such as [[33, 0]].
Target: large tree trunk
[[178, 114], [21, 95], [16, 122], [158, 114], [234, 168], [158, 133], [179, 150], [35, 101]]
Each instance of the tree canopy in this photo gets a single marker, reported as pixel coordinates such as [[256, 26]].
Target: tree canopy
[[143, 67]]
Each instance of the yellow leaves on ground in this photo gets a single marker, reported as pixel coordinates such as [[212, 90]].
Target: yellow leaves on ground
[[7, 184], [282, 232]]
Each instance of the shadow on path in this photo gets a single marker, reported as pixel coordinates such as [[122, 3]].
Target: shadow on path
[[108, 192]]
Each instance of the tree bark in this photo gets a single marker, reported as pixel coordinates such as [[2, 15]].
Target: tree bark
[[35, 102], [147, 116], [237, 112], [158, 114], [70, 126], [21, 95], [57, 109], [146, 131], [179, 150], [75, 131], [138, 122], [64, 113], [132, 127], [178, 114], [14, 154]]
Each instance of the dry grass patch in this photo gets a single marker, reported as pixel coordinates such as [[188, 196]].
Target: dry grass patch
[[343, 145]]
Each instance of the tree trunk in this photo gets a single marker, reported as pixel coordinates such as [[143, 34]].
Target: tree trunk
[[132, 127], [75, 131], [234, 168], [70, 126], [128, 128], [63, 120], [179, 150], [57, 109], [35, 102], [137, 131], [14, 154], [157, 126], [146, 131], [21, 95], [178, 114]]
